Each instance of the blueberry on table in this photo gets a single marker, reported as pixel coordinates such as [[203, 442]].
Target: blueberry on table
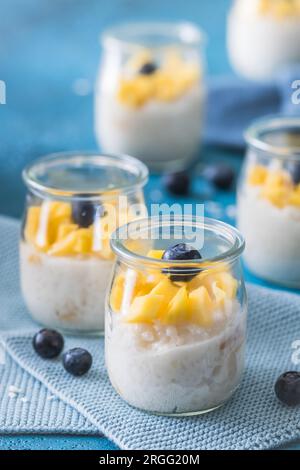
[[287, 388], [48, 343], [84, 212], [182, 252], [77, 361], [220, 175], [177, 183], [148, 68]]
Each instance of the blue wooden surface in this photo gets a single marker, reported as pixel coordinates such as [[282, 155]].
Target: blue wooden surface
[[46, 46]]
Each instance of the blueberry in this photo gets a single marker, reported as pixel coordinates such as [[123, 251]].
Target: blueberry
[[287, 388], [77, 361], [181, 251], [220, 175], [177, 183], [48, 343], [295, 173], [84, 212], [148, 68]]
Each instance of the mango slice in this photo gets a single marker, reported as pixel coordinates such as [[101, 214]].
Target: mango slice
[[64, 230], [78, 242], [145, 309], [201, 307], [166, 288], [155, 254], [32, 223], [257, 175], [178, 309]]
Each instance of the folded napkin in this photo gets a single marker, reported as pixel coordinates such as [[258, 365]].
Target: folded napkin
[[234, 103], [38, 395]]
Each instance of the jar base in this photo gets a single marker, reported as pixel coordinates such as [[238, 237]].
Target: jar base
[[188, 414]]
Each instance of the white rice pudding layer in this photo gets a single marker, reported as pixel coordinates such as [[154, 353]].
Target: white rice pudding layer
[[260, 45], [272, 237], [176, 369], [64, 292], [157, 132]]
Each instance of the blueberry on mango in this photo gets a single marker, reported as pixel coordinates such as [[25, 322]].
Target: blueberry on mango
[[77, 361], [287, 388], [181, 251], [84, 212], [48, 343]]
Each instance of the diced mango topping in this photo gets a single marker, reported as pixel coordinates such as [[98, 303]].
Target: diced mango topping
[[155, 254], [175, 303], [201, 307], [279, 9], [50, 229], [168, 82], [257, 175], [275, 185], [145, 308], [178, 308]]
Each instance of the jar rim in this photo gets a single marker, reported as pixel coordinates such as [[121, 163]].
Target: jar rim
[[118, 240], [126, 34], [76, 160], [273, 123]]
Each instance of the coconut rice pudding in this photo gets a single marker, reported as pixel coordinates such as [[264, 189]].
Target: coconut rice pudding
[[263, 36], [269, 200], [150, 94], [65, 255], [178, 322]]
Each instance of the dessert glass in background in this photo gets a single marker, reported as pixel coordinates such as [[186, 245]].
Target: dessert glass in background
[[269, 200], [74, 202], [150, 93], [263, 37], [175, 329]]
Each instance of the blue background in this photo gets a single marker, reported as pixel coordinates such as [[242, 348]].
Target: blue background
[[45, 47]]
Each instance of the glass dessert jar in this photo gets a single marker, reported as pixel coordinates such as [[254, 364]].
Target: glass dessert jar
[[150, 93], [176, 315], [269, 200], [74, 202], [263, 36]]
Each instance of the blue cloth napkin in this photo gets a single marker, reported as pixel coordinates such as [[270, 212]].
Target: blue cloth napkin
[[233, 104], [56, 401]]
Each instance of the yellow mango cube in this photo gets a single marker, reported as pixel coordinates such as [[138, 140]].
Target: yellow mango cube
[[178, 309], [277, 195], [145, 309], [227, 283], [64, 247], [201, 307], [257, 175], [219, 295], [83, 243], [166, 288], [155, 254], [64, 230], [32, 223]]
